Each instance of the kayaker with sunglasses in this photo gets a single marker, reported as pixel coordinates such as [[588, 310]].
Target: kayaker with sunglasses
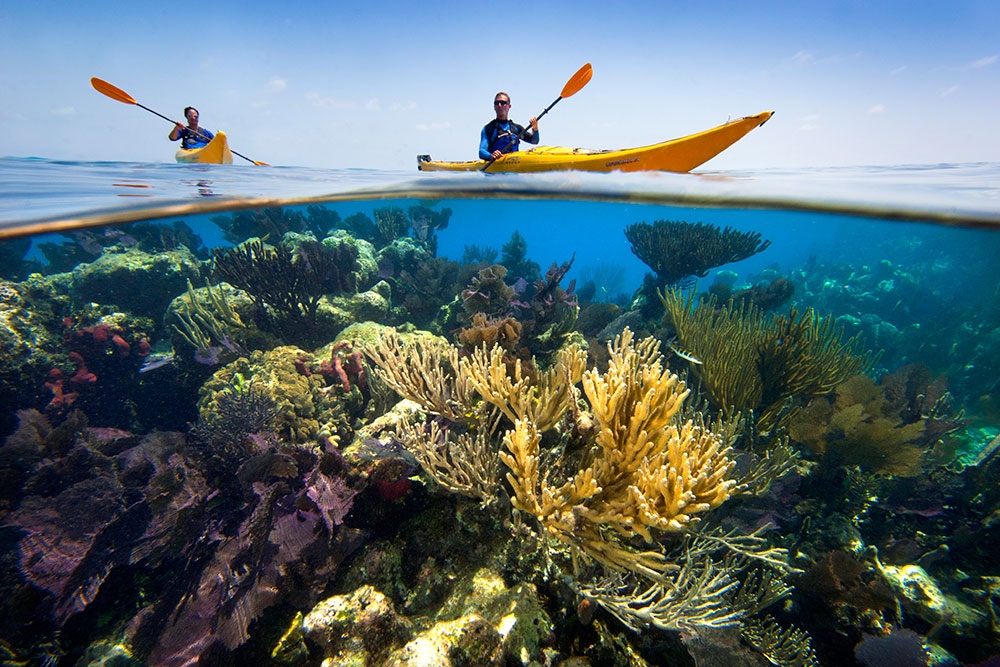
[[192, 136], [502, 135]]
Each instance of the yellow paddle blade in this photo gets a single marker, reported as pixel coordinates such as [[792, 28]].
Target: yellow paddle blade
[[578, 81], [113, 92]]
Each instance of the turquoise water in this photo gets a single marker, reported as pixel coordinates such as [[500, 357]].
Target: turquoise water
[[146, 518]]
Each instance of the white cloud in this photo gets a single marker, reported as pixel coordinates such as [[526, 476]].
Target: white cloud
[[277, 83], [878, 108], [63, 111], [317, 100], [803, 58], [899, 70], [424, 127], [809, 123], [403, 106], [975, 64], [948, 91]]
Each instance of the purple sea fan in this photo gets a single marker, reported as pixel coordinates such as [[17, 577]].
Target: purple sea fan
[[280, 553], [68, 543]]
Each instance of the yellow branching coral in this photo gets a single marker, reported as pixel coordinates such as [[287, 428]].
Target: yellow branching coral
[[643, 468], [543, 400], [465, 463], [647, 472], [423, 372]]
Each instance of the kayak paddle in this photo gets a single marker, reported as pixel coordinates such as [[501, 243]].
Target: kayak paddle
[[116, 93], [572, 87]]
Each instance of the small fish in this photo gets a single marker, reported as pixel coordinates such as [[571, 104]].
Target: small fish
[[683, 354], [155, 361]]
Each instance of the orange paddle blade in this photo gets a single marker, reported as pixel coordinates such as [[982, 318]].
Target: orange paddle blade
[[578, 81], [113, 92]]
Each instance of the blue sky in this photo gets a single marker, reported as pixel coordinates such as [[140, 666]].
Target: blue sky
[[373, 84]]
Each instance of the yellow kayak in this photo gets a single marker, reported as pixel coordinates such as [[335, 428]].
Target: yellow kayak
[[680, 155], [214, 152]]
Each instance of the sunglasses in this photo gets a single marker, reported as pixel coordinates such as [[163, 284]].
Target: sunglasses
[[501, 103]]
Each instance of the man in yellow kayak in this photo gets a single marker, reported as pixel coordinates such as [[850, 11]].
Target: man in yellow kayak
[[502, 135], [191, 136]]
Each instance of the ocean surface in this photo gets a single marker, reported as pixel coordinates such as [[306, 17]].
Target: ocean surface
[[185, 484]]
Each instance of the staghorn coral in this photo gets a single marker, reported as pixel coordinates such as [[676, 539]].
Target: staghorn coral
[[747, 360], [648, 473], [678, 250]]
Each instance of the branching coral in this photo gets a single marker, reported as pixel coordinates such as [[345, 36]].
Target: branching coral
[[287, 286], [747, 360], [464, 463], [647, 474], [679, 250], [424, 373], [637, 474], [543, 400], [787, 647]]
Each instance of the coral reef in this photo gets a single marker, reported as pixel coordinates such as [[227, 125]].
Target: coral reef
[[276, 222], [90, 501], [135, 281], [309, 407], [648, 474], [206, 460]]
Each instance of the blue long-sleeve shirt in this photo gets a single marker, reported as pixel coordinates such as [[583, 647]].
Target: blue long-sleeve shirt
[[502, 134]]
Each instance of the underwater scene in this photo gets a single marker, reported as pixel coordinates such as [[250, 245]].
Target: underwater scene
[[304, 418]]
